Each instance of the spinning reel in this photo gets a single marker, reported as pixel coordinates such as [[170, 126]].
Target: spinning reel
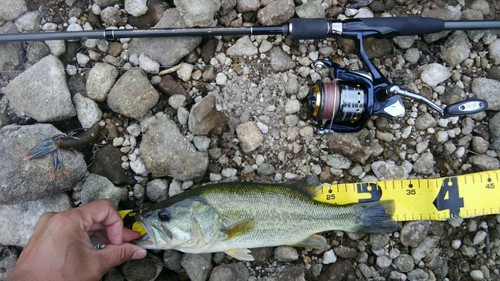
[[346, 104]]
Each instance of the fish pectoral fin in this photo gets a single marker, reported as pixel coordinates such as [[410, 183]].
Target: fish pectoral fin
[[240, 254], [315, 241], [239, 228]]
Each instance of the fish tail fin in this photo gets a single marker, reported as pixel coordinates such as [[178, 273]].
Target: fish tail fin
[[375, 217]]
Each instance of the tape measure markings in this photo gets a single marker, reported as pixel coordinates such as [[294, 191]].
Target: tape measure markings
[[431, 199]]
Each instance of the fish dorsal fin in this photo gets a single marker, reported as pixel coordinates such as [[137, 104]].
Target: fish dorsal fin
[[239, 228], [314, 241], [310, 185], [242, 254]]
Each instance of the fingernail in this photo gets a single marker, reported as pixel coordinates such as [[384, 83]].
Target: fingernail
[[139, 254]]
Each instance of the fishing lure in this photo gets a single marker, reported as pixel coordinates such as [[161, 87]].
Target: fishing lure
[[54, 144]]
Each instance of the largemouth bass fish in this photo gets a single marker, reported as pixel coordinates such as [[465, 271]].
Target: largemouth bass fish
[[232, 217]]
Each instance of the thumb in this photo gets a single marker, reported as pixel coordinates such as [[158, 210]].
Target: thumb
[[113, 255]]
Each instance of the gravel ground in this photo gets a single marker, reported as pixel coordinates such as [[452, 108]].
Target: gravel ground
[[234, 109]]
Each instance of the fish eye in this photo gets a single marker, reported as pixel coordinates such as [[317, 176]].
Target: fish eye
[[164, 215]]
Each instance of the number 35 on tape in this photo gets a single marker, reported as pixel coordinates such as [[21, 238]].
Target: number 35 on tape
[[425, 199]]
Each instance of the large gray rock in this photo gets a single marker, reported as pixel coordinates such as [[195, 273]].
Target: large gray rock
[[198, 12], [456, 49], [98, 187], [424, 164], [87, 110], [487, 89], [356, 146], [280, 61], [11, 53], [12, 9], [41, 92], [495, 132], [276, 12], [243, 47], [434, 73], [155, 48], [204, 117], [494, 51], [311, 9], [8, 259], [389, 170], [26, 180], [100, 81], [197, 266], [18, 221], [228, 272], [166, 152], [133, 95]]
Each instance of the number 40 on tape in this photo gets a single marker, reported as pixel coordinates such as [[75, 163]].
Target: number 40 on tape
[[465, 196]]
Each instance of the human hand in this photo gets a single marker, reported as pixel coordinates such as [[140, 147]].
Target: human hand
[[60, 247]]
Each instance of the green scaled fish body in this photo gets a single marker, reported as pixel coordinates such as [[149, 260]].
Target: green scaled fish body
[[232, 217]]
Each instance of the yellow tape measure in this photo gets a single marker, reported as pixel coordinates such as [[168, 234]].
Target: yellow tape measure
[[425, 199], [439, 199]]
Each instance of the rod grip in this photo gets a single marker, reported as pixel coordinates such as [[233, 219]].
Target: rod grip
[[395, 26], [308, 28]]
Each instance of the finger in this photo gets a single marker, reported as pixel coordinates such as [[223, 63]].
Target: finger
[[102, 213], [114, 255], [129, 235]]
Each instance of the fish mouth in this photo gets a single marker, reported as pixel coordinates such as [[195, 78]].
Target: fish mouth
[[148, 240]]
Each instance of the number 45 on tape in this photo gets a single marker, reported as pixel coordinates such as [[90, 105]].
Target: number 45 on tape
[[425, 199]]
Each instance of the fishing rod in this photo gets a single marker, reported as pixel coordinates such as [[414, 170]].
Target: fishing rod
[[353, 96]]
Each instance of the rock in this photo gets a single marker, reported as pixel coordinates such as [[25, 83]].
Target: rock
[[17, 187], [424, 164], [4, 114], [155, 48], [477, 275], [177, 101], [148, 65], [434, 73], [136, 8], [484, 162], [285, 254], [404, 42], [170, 86], [336, 271], [250, 136], [480, 145], [345, 252], [108, 163], [292, 272], [41, 92], [487, 89], [276, 12], [376, 48], [98, 187], [35, 51], [417, 275], [243, 47], [425, 121], [280, 61], [8, 259], [424, 248], [404, 263], [198, 12], [495, 132], [172, 260], [110, 16], [479, 237], [11, 10], [379, 241], [229, 272], [18, 221], [336, 161], [292, 106], [204, 117], [456, 49], [105, 3], [247, 5], [132, 95], [385, 170], [157, 190], [184, 72], [139, 167], [266, 169], [166, 152], [494, 51], [311, 9], [147, 269], [28, 22], [100, 81], [413, 233], [11, 53], [383, 262], [329, 257], [197, 266], [358, 146], [87, 110]]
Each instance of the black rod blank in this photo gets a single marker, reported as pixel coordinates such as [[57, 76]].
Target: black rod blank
[[298, 29]]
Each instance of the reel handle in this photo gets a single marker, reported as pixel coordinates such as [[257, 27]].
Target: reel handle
[[465, 107]]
